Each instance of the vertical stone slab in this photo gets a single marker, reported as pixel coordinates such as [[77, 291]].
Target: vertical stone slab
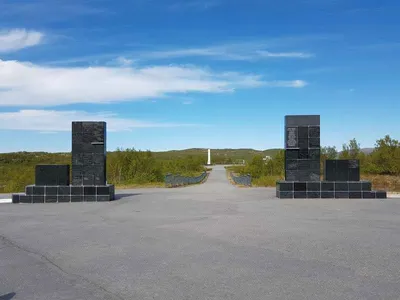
[[89, 153], [302, 148]]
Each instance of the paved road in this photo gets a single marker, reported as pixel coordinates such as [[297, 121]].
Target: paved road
[[210, 241]]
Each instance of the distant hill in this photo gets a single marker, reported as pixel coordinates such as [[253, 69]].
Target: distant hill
[[217, 155]]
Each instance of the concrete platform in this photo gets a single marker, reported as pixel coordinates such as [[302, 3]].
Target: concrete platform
[[209, 241]]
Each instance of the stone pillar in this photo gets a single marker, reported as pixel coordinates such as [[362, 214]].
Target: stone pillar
[[209, 157], [302, 148]]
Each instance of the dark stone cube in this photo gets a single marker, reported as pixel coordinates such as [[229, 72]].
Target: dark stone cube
[[314, 143], [64, 191], [314, 132], [381, 195], [76, 190], [286, 195], [25, 199], [315, 176], [300, 186], [303, 132], [327, 186], [354, 174], [89, 198], [77, 198], [369, 194], [342, 170], [314, 186], [292, 164], [38, 190], [300, 195], [38, 199], [303, 143], [303, 153], [89, 190], [77, 127], [105, 190], [64, 198], [51, 191], [313, 195], [366, 186], [341, 195], [50, 198], [103, 198], [302, 120], [291, 137], [52, 175], [314, 154], [15, 198], [315, 165], [355, 186], [29, 190], [355, 195], [292, 154], [291, 175], [303, 165], [341, 186], [327, 195]]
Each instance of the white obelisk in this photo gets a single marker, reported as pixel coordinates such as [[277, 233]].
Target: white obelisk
[[209, 157]]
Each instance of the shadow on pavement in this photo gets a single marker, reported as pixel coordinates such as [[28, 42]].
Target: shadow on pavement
[[7, 296], [122, 196]]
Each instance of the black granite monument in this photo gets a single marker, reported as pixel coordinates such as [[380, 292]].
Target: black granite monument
[[89, 181], [302, 166]]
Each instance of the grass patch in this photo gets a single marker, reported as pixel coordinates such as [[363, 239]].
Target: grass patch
[[383, 182]]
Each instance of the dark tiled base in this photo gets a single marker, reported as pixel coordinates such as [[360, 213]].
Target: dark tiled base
[[327, 190], [60, 194]]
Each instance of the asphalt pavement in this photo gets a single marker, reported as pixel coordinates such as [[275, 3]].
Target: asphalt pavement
[[209, 241]]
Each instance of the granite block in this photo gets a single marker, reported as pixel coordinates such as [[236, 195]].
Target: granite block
[[327, 194], [50, 199], [368, 194], [286, 195], [355, 195], [313, 186], [314, 195], [341, 195], [300, 195], [300, 186]]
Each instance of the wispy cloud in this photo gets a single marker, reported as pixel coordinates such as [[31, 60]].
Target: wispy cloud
[[26, 84], [284, 54], [58, 121], [17, 39], [236, 52]]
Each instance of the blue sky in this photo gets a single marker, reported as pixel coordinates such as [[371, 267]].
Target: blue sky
[[170, 74]]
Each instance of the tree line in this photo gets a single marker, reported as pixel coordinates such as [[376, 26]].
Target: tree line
[[383, 160]]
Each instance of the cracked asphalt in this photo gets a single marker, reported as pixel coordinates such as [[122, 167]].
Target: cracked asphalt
[[209, 241]]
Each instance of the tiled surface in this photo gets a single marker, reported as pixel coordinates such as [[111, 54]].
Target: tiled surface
[[326, 189], [59, 194]]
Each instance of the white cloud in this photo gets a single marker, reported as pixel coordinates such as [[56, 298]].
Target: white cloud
[[50, 121], [124, 62], [16, 39], [238, 52], [284, 54], [26, 84], [287, 84]]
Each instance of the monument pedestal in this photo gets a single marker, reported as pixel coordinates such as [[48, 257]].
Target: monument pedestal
[[89, 181], [59, 194], [327, 190]]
